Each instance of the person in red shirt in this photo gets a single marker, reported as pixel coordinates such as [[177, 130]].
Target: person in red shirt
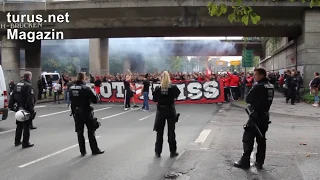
[[97, 86], [234, 85], [248, 83], [281, 82], [226, 84]]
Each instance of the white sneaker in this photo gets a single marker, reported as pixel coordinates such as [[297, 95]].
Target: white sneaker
[[315, 105], [126, 109]]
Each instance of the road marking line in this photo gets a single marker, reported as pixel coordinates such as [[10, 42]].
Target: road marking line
[[203, 136], [54, 113], [146, 117], [34, 107], [3, 132], [69, 111], [51, 155], [101, 109], [118, 114]]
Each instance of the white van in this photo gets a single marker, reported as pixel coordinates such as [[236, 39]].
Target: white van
[[55, 76], [3, 97]]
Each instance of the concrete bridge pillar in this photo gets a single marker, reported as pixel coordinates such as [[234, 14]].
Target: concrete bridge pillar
[[98, 56], [10, 57], [309, 49], [33, 63]]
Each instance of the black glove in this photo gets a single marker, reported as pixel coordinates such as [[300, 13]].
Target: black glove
[[32, 115], [13, 108]]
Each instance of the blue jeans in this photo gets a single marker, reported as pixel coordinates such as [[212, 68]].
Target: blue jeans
[[316, 99], [68, 99], [145, 101], [65, 93]]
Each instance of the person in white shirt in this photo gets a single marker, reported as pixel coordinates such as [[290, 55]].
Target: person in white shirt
[[56, 92]]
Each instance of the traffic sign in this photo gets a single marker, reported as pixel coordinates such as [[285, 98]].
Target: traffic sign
[[220, 63], [247, 58], [235, 63]]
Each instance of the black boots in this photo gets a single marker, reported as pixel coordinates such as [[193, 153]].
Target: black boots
[[17, 143], [27, 145], [175, 154], [246, 165], [97, 152], [158, 155], [258, 166], [241, 164], [172, 155]]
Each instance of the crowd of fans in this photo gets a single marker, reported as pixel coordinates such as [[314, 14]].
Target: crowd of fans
[[236, 85]]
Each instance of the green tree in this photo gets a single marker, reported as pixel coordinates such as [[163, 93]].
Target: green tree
[[116, 63], [243, 13], [64, 65], [176, 64], [50, 64], [256, 61]]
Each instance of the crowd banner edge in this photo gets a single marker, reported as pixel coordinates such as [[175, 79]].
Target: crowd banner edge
[[192, 92]]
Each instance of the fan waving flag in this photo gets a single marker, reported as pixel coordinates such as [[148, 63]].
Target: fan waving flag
[[208, 72]]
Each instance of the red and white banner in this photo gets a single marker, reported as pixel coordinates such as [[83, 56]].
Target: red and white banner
[[191, 92]]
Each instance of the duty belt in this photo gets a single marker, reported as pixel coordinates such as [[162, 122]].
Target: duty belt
[[165, 106]]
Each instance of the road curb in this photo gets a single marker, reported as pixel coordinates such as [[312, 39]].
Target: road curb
[[275, 113], [238, 105]]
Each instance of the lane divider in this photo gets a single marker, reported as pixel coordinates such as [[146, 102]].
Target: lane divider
[[102, 109], [53, 113], [3, 132], [203, 136], [146, 117], [69, 111], [119, 114], [51, 155]]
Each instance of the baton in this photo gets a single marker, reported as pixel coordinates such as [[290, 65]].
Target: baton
[[255, 125], [129, 71]]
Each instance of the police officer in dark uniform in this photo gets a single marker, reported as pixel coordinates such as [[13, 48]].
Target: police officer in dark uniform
[[165, 95], [260, 99], [292, 83], [81, 97], [24, 98]]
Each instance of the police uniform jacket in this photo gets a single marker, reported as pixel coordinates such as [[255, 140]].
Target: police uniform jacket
[[165, 106], [23, 95], [261, 96], [81, 96], [260, 99]]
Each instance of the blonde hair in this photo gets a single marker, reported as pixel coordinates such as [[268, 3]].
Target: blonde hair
[[165, 80]]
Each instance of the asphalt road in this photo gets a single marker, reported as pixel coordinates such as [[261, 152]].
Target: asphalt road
[[293, 150], [126, 136]]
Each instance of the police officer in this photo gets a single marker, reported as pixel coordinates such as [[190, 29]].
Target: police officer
[[292, 83], [260, 99], [23, 96], [165, 96], [81, 97]]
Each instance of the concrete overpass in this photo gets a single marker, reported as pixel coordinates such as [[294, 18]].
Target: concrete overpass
[[165, 47], [125, 18]]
